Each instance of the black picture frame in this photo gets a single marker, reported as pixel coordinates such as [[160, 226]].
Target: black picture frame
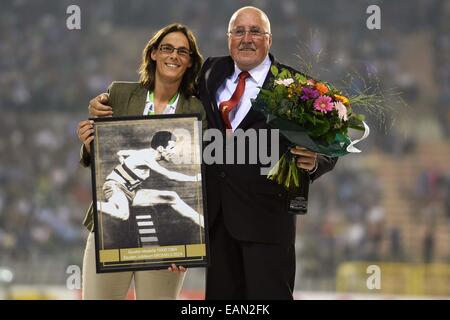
[[166, 220]]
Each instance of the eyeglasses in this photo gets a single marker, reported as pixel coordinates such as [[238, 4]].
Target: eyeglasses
[[254, 33], [168, 49]]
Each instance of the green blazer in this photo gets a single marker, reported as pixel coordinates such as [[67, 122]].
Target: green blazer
[[128, 99]]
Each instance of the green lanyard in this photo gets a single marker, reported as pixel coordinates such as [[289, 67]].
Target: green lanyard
[[150, 106]]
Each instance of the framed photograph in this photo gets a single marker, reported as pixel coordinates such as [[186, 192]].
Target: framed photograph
[[148, 193]]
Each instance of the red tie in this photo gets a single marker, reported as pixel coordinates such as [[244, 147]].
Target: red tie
[[226, 107]]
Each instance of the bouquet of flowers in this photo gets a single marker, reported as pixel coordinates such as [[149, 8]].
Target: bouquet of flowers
[[311, 114]]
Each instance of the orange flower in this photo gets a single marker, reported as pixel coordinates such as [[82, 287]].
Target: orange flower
[[342, 99], [322, 88]]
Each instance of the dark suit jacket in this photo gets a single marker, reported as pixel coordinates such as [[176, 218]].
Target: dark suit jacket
[[254, 208], [127, 99]]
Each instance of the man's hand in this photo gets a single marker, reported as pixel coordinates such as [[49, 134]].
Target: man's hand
[[306, 159], [85, 132], [98, 106]]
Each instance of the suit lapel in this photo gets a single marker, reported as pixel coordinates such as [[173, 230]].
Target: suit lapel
[[182, 106], [138, 97], [253, 116], [269, 78], [216, 75], [136, 104]]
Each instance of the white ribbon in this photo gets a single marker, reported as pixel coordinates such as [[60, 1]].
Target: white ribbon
[[351, 147]]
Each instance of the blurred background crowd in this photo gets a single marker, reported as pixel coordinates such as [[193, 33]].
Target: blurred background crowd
[[390, 203]]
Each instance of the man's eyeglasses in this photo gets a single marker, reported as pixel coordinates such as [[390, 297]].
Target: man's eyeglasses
[[168, 49], [254, 33]]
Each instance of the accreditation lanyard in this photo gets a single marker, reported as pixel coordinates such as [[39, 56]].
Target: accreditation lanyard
[[150, 106]]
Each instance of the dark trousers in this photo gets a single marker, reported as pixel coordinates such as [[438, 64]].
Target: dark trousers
[[248, 270]]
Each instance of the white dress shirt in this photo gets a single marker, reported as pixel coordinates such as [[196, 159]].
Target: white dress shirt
[[252, 88]]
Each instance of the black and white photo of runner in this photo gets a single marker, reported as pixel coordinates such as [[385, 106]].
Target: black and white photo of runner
[[148, 184]]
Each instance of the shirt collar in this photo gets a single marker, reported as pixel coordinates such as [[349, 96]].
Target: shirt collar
[[257, 74], [170, 108]]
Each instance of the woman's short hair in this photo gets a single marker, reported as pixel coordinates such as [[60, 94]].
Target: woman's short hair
[[148, 66]]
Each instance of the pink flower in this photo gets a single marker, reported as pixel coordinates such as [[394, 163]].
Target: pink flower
[[342, 110], [323, 104]]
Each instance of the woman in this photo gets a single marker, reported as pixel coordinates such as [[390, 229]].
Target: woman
[[170, 63]]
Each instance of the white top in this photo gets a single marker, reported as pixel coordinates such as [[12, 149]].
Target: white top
[[169, 109], [252, 84]]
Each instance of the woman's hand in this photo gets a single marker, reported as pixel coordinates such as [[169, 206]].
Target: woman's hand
[[85, 132], [174, 268]]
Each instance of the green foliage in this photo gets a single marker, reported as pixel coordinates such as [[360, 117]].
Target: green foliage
[[285, 102], [274, 70], [300, 78], [319, 130], [285, 172]]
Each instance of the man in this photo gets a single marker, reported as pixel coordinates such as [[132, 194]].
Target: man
[[252, 236], [251, 233]]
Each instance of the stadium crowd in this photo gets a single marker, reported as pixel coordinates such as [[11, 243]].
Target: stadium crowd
[[48, 74]]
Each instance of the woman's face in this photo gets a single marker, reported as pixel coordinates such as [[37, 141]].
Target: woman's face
[[171, 66]]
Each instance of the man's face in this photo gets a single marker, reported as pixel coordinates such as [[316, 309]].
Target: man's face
[[249, 51], [168, 152]]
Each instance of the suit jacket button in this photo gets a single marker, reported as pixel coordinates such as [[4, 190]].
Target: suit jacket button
[[222, 174]]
